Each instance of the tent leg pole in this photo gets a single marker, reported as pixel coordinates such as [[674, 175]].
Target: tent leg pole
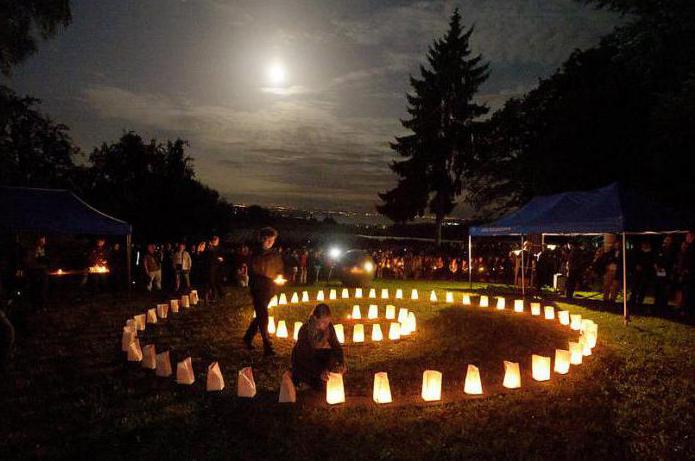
[[470, 262], [523, 276], [129, 274], [626, 313]]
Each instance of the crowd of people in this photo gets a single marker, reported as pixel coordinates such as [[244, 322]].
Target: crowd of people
[[663, 270]]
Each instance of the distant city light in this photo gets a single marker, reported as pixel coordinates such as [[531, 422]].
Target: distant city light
[[368, 266]]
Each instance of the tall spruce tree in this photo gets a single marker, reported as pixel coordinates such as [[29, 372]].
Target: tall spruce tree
[[440, 149]]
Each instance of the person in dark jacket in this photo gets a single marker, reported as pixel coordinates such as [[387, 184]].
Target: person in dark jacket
[[318, 351], [643, 273], [265, 264]]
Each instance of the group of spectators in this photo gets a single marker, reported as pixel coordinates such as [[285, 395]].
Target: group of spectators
[[663, 269]]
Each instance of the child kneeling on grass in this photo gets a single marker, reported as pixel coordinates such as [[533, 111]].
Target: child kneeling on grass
[[317, 352]]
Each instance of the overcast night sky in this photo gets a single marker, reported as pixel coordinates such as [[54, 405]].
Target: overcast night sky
[[283, 102]]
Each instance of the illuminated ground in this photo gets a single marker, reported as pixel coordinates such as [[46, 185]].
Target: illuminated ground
[[72, 393]]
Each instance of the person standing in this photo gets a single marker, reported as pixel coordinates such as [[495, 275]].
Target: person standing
[[214, 265], [181, 260], [36, 266], [153, 268], [665, 262], [642, 274], [265, 264]]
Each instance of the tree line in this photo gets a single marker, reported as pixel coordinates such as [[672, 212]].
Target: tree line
[[623, 110]]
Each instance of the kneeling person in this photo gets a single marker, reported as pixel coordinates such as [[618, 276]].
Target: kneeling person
[[317, 352]]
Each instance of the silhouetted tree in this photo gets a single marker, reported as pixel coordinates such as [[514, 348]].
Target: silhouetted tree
[[23, 23], [442, 115], [152, 186], [34, 151], [620, 111]]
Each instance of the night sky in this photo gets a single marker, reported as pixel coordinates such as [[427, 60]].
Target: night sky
[[283, 102]]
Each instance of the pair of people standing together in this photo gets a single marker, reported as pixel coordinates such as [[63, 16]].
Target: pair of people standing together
[[317, 351]]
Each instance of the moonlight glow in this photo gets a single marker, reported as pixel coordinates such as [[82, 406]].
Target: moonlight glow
[[277, 75]]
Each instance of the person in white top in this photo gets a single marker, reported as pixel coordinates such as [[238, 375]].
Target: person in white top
[[182, 267]]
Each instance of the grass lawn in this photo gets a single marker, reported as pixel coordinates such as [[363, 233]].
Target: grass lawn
[[71, 392]]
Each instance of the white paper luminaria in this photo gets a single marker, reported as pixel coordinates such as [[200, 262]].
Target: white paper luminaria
[[134, 351], [152, 315], [163, 310], [246, 386], [473, 385], [288, 393], [382, 390], [149, 357], [184, 372], [163, 365], [214, 380], [390, 312], [140, 321], [373, 312]]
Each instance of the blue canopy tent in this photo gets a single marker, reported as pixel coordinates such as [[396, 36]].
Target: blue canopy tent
[[57, 211], [609, 209]]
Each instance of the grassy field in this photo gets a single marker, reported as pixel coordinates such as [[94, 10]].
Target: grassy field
[[71, 392]]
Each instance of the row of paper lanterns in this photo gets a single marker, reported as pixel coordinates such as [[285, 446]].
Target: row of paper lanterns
[[574, 321], [396, 330], [161, 311], [431, 385]]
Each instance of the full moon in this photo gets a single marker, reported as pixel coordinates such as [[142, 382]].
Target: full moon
[[277, 74]]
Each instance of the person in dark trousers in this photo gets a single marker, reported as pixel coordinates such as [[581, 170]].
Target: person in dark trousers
[[575, 268], [265, 264], [318, 351], [665, 262], [215, 262], [642, 274], [7, 336], [36, 267]]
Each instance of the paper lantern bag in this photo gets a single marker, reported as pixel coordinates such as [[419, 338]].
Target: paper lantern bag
[[215, 380], [163, 369], [288, 393], [246, 386]]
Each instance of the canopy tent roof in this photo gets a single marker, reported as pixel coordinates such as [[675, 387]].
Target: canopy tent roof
[[24, 209], [608, 209]]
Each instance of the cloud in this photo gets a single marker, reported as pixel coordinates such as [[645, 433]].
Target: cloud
[[290, 152]]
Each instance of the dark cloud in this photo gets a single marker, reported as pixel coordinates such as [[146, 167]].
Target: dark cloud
[[196, 69]]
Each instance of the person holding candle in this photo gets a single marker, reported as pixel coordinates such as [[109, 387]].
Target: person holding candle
[[317, 352], [265, 271]]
